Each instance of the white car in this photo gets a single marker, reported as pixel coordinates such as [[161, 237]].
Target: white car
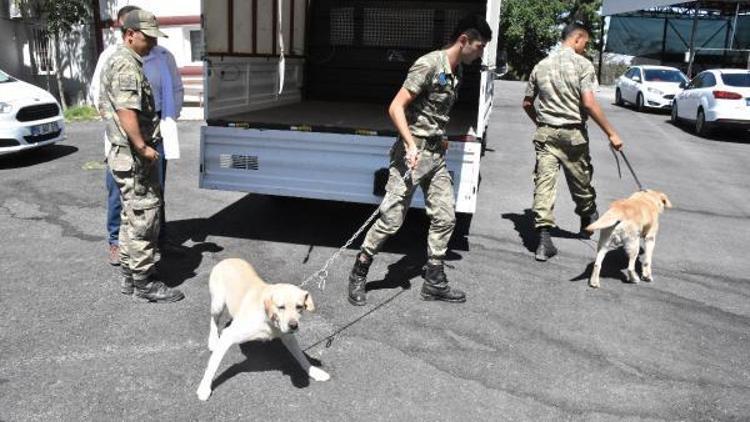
[[649, 86], [30, 117], [716, 97]]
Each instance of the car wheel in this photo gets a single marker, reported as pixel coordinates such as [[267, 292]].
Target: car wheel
[[674, 118], [618, 97], [639, 102], [701, 127]]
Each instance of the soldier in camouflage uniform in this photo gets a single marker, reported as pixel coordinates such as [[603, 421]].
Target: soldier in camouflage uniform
[[127, 104], [420, 113], [564, 83]]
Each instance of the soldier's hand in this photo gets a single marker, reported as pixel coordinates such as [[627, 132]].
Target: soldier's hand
[[615, 141], [412, 157], [149, 153]]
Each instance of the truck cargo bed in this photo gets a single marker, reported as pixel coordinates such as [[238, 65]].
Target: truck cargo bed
[[337, 117]]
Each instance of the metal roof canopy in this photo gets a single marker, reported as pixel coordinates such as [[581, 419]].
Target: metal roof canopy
[[725, 7], [699, 9]]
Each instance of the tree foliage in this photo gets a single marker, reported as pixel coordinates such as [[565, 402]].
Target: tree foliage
[[62, 15], [530, 28], [59, 17]]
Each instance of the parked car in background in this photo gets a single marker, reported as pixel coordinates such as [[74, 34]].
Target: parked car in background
[[649, 86], [30, 117], [714, 98]]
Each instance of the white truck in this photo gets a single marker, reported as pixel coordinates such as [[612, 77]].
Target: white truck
[[297, 94]]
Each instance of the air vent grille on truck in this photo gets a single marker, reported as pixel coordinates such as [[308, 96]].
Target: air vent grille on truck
[[240, 162]]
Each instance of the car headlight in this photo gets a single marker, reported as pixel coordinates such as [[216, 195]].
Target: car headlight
[[5, 108], [654, 91]]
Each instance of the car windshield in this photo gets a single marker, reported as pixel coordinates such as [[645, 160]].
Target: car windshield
[[4, 77], [664, 75], [736, 79]]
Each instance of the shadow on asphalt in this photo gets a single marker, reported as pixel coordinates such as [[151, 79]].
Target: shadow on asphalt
[[524, 225], [262, 356], [645, 111], [305, 222], [175, 270], [399, 275], [733, 136], [613, 266], [614, 262], [35, 156]]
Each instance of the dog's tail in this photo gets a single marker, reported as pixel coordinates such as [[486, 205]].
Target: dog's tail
[[609, 219]]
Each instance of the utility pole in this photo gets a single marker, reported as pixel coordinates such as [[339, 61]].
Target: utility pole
[[601, 52], [692, 41]]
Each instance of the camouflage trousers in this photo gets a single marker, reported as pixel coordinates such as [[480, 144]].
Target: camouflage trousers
[[569, 148], [138, 181], [432, 176]]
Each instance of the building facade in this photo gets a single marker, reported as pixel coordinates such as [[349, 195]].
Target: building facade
[[180, 21]]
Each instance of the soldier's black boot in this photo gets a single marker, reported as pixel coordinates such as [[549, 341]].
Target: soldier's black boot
[[126, 282], [435, 286], [546, 248], [358, 278], [586, 220], [151, 290]]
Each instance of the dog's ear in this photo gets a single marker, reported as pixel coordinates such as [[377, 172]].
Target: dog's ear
[[309, 305], [269, 307], [665, 200]]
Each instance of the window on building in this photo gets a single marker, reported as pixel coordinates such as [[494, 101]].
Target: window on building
[[43, 51], [196, 45]]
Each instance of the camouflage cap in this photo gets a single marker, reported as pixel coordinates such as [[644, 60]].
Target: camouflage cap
[[144, 21]]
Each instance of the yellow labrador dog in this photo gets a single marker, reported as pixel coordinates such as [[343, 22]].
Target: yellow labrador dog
[[623, 225], [259, 311]]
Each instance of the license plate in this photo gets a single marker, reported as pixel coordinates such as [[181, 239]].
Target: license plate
[[44, 129]]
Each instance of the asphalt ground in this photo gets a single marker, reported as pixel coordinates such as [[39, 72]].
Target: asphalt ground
[[533, 341]]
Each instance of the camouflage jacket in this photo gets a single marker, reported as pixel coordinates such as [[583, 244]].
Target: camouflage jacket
[[124, 86], [435, 87], [559, 81]]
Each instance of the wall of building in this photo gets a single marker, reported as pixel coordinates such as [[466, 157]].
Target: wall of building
[[177, 19], [80, 49], [77, 54]]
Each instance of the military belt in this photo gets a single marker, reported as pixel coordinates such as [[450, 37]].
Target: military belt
[[432, 143], [579, 126]]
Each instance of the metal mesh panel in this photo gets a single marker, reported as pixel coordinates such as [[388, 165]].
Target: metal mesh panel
[[342, 26], [651, 36], [385, 27], [451, 20], [237, 161]]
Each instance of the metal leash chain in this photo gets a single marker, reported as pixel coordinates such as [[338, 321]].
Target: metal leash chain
[[322, 274]]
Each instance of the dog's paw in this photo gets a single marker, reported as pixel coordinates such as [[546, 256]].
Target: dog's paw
[[594, 284], [318, 374], [648, 277], [633, 278], [203, 393]]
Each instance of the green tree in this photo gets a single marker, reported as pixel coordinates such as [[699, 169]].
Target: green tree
[[59, 17], [530, 28]]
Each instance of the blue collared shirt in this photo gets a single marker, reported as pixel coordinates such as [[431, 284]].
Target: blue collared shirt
[[152, 69]]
